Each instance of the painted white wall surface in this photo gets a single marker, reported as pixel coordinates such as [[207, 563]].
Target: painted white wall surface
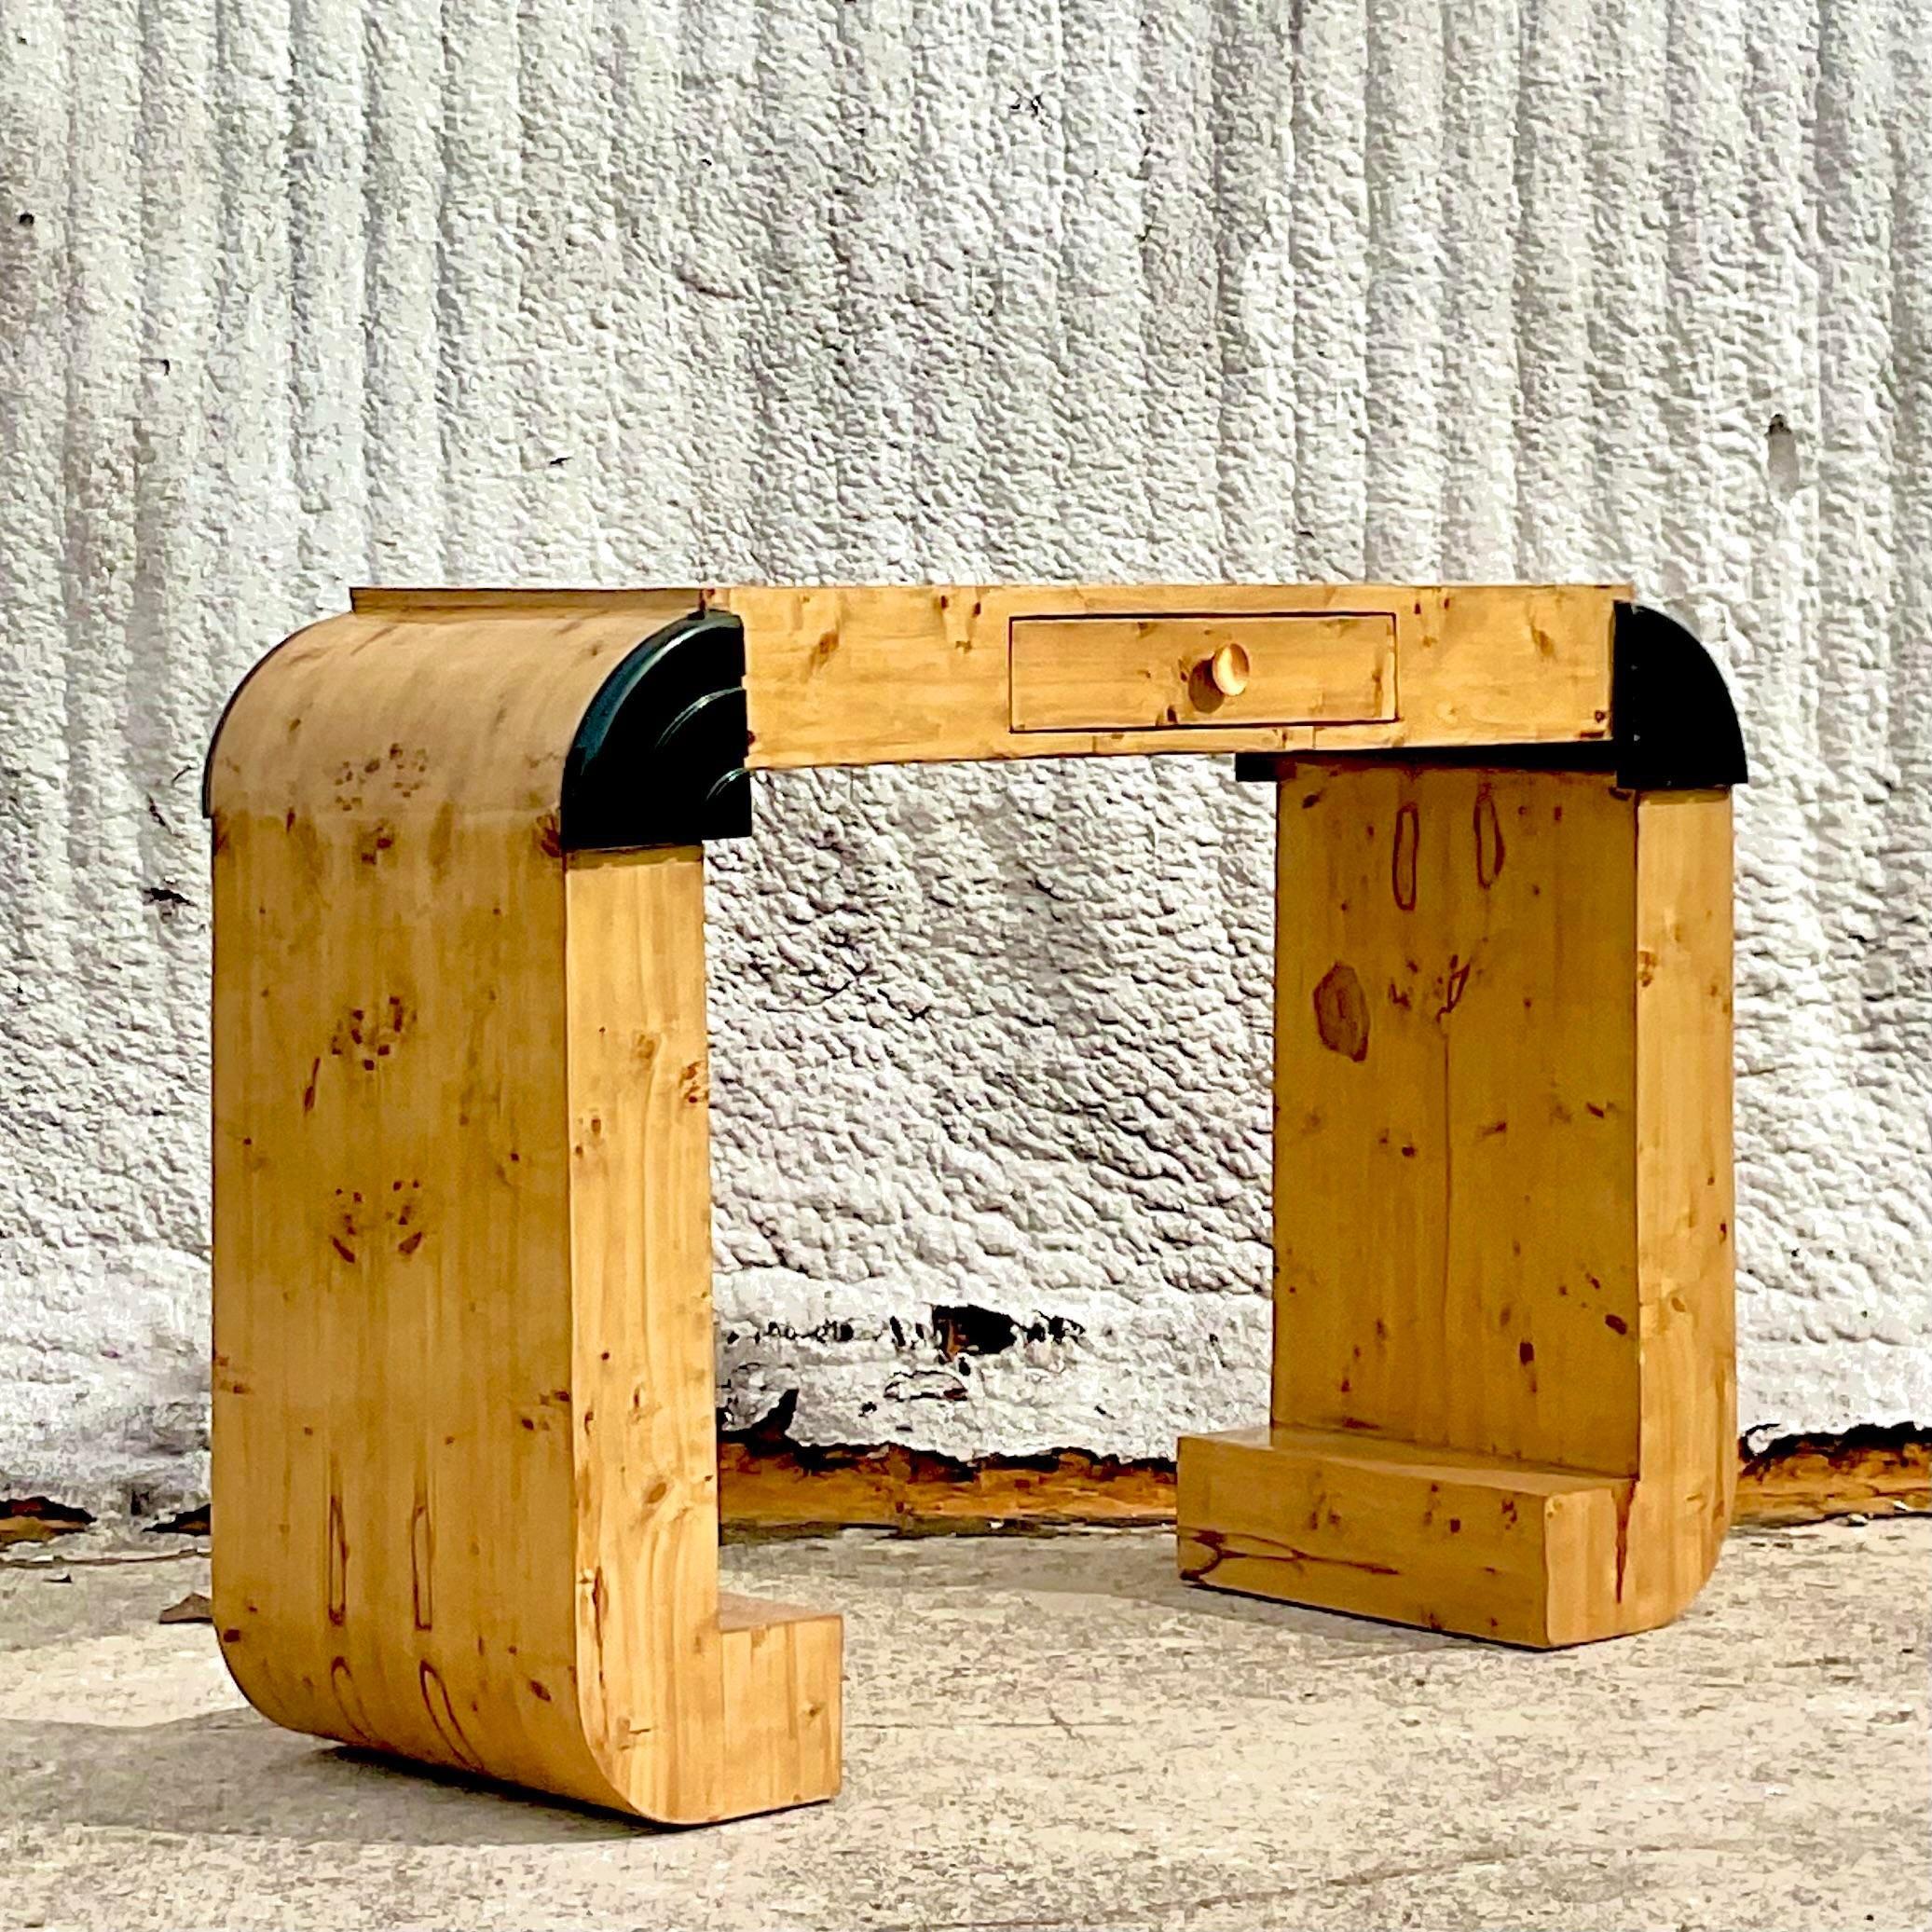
[[293, 296]]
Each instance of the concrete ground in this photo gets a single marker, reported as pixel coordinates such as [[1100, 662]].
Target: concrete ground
[[1041, 1733]]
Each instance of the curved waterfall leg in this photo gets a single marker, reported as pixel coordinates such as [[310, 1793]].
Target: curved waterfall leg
[[1503, 1398], [465, 1495]]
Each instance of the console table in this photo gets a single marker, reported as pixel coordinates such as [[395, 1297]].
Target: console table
[[464, 1480]]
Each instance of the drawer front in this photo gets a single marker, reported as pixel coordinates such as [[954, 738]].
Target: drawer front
[[1153, 672]]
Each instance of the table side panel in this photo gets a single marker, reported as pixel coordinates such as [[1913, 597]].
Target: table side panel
[[1455, 1216]]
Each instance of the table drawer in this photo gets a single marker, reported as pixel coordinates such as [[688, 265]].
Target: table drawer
[[1140, 672]]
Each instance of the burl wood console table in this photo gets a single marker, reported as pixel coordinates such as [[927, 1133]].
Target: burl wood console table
[[464, 1461]]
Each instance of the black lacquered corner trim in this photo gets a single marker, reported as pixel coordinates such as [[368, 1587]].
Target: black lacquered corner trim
[[1261, 767], [659, 758], [1671, 715]]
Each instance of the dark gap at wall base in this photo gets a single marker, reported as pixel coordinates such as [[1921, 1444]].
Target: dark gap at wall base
[[37, 1519], [772, 1486], [1867, 1470]]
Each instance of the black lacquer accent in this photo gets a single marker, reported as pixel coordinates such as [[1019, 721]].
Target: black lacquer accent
[[659, 758], [1674, 724]]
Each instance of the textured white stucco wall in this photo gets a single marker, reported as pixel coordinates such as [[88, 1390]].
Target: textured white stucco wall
[[296, 294]]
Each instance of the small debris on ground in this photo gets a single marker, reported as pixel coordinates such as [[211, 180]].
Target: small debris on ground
[[193, 1608]]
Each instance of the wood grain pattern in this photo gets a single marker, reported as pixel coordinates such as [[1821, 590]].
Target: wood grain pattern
[[884, 674], [1123, 673], [448, 1314], [1502, 1209], [1455, 1260], [695, 1706], [1685, 1203], [887, 674], [463, 1430], [1444, 1539]]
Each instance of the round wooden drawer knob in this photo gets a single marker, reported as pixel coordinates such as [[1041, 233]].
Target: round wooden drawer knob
[[1227, 670]]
